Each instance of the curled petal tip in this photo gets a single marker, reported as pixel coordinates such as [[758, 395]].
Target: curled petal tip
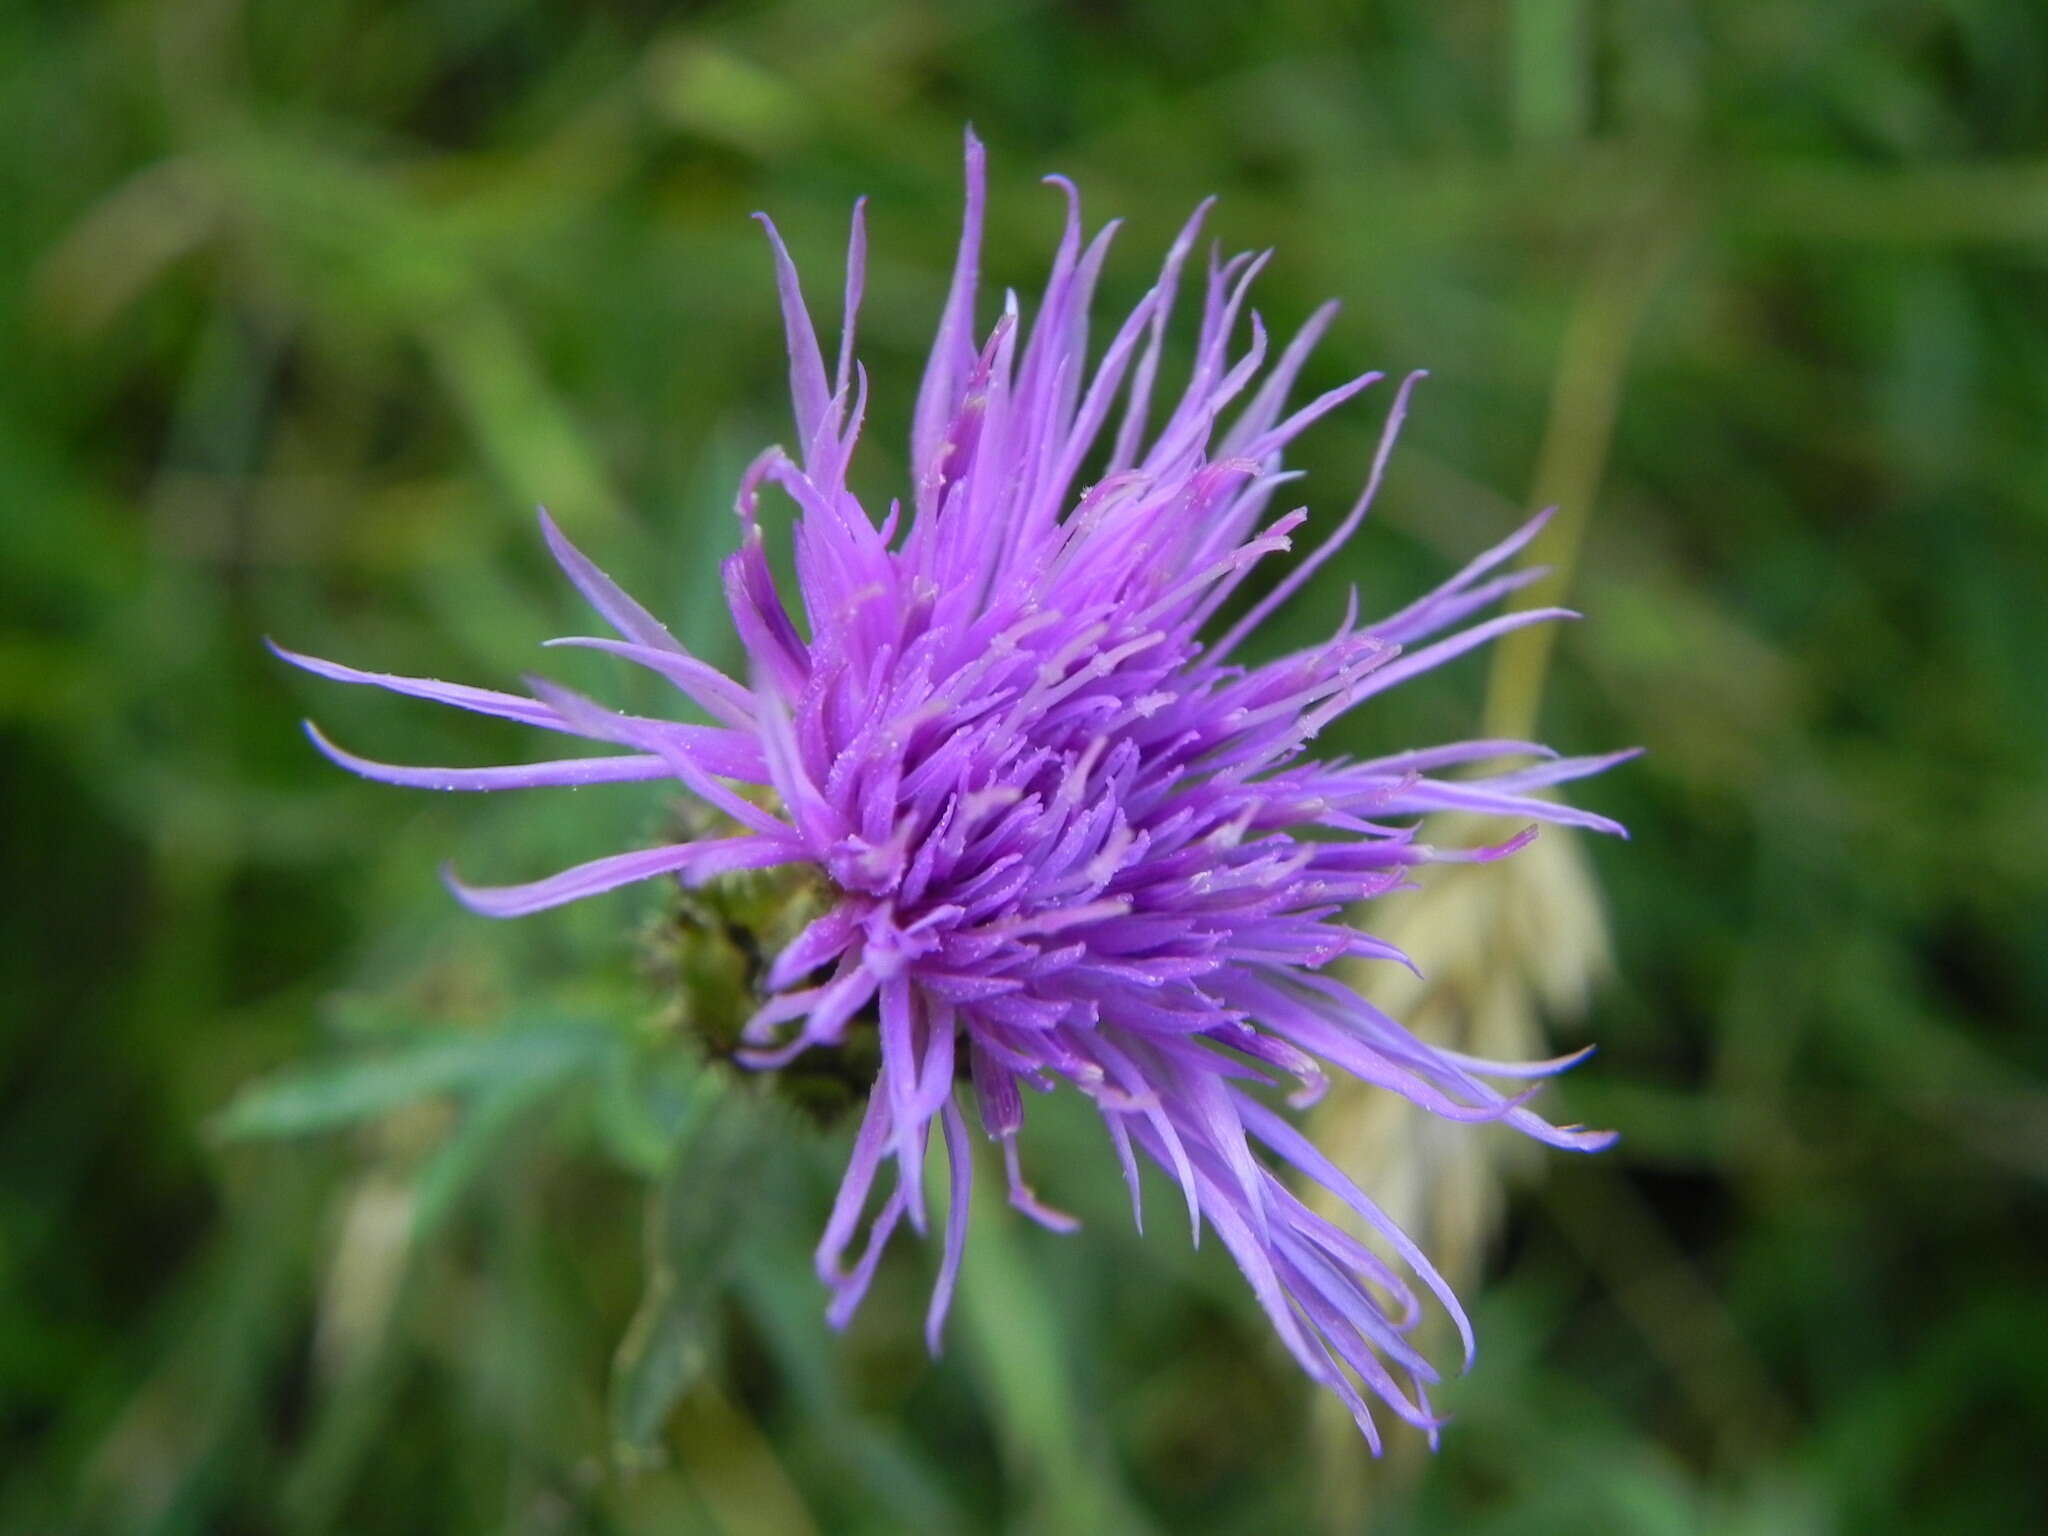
[[325, 747], [455, 887]]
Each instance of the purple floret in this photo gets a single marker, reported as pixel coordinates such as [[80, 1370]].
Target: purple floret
[[1066, 838]]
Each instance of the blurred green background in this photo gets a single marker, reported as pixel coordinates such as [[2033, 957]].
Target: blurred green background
[[312, 301]]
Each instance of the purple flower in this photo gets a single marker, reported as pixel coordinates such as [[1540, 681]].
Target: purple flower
[[1066, 837]]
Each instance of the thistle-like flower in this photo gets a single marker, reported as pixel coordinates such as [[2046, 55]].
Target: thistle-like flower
[[1065, 838]]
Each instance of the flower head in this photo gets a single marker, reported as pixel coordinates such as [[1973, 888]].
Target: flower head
[[1066, 835]]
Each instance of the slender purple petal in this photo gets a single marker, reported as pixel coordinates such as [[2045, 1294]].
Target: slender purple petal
[[697, 861], [806, 366], [603, 594], [1297, 577], [567, 773], [481, 701], [960, 1159]]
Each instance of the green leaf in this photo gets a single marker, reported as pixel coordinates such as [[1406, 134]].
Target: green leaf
[[693, 1219], [468, 1151], [303, 1100], [1023, 1357], [643, 1102]]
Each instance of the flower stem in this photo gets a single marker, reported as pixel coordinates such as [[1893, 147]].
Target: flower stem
[[1584, 400]]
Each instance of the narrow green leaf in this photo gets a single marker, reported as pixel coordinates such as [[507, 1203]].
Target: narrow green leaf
[[303, 1100], [694, 1217], [468, 1149], [1022, 1357]]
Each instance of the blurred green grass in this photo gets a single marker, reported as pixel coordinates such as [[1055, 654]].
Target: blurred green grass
[[314, 301]]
